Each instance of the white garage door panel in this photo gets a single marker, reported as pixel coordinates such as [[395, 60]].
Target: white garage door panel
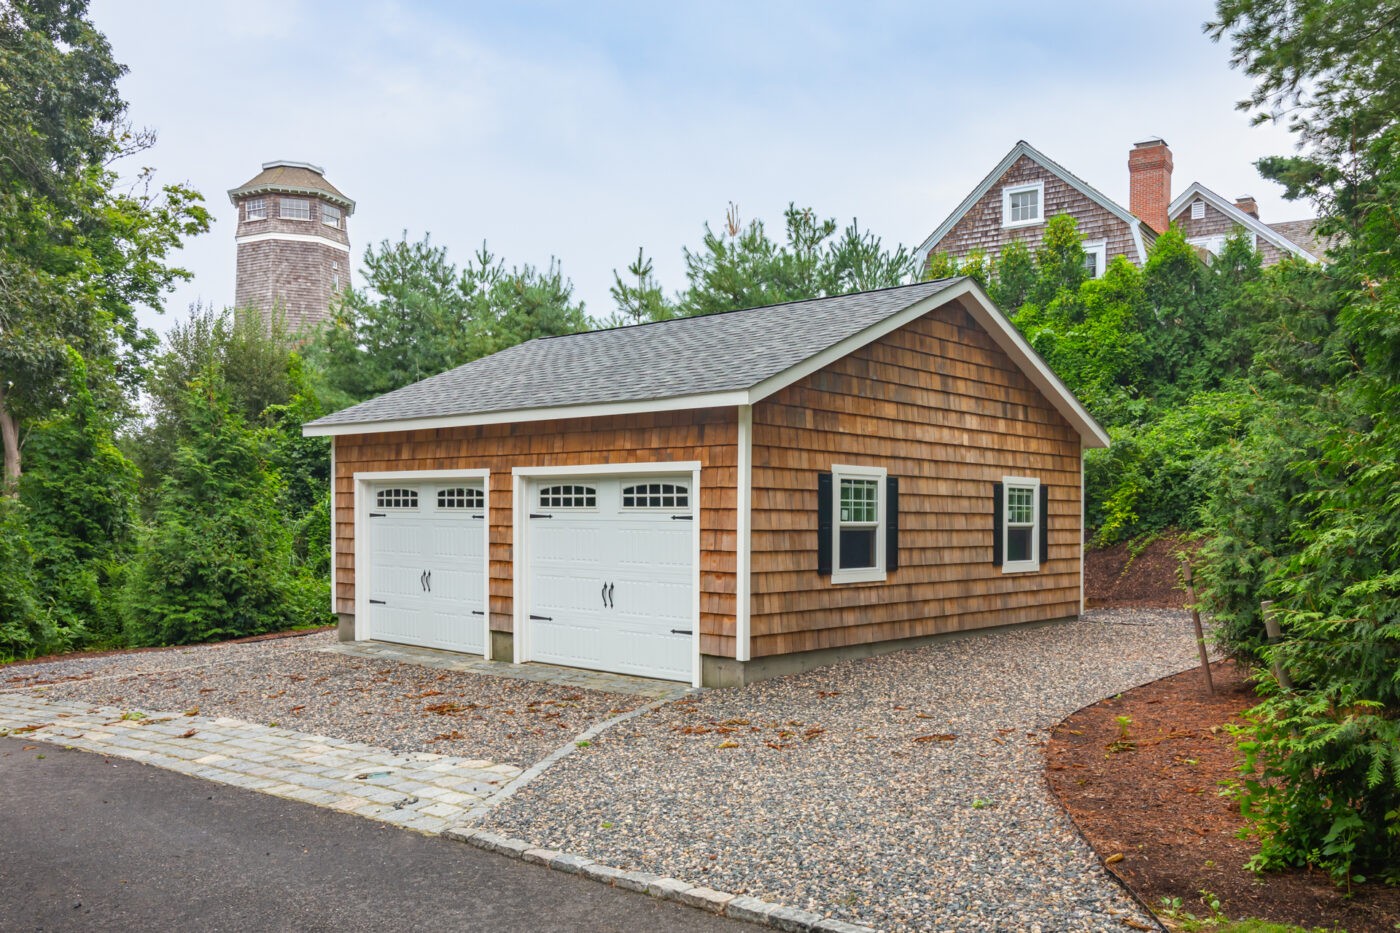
[[427, 576], [645, 561]]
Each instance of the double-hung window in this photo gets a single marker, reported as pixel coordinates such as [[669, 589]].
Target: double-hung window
[[255, 209], [330, 215], [1021, 534], [1023, 205], [294, 209], [860, 509], [1095, 258]]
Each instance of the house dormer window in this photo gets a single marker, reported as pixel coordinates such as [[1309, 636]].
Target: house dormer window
[[330, 215], [295, 209], [255, 209], [1023, 205]]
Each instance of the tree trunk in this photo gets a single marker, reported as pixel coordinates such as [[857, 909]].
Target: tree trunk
[[9, 432]]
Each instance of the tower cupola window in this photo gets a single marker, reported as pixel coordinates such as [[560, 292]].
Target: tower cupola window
[[330, 215], [295, 209]]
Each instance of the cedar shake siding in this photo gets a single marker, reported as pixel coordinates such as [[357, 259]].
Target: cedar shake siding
[[945, 410], [981, 227], [1216, 223], [709, 436]]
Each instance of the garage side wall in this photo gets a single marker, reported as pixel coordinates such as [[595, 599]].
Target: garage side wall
[[940, 406], [709, 436]]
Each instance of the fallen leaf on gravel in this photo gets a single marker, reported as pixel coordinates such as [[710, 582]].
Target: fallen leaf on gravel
[[936, 737], [29, 748], [924, 716], [297, 709], [1134, 924], [206, 689], [736, 722], [727, 745], [778, 745], [1114, 859], [192, 711], [188, 734], [31, 728], [828, 693], [901, 707], [812, 733]]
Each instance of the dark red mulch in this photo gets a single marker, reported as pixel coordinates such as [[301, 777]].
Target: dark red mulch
[[1158, 805], [1113, 576]]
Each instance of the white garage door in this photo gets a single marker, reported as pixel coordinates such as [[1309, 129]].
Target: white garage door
[[611, 576], [427, 582]]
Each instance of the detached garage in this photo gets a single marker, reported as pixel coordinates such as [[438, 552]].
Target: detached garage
[[715, 500]]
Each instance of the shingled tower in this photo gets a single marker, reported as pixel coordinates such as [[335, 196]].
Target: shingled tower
[[293, 248]]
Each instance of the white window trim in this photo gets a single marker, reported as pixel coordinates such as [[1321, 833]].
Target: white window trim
[[1020, 482], [1008, 191], [865, 574], [1098, 248], [339, 214], [248, 209]]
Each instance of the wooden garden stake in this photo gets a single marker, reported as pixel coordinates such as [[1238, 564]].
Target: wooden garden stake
[[1275, 633], [1196, 620]]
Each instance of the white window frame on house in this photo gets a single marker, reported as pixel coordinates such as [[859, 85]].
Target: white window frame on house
[[1039, 188], [1099, 250], [878, 475], [255, 209], [330, 215], [283, 203], [1009, 483]]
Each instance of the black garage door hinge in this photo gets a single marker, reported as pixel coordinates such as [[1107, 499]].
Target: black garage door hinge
[[682, 631], [542, 618], [540, 515], [478, 612], [377, 514], [376, 602], [682, 518]]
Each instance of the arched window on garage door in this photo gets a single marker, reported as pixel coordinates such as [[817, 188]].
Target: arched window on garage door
[[569, 497], [396, 499], [461, 497], [656, 496]]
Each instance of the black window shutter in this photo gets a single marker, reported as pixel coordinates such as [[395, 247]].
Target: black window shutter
[[997, 525], [891, 523], [824, 497], [1044, 522]]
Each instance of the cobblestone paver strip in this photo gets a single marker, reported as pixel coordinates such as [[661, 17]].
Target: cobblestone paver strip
[[421, 791]]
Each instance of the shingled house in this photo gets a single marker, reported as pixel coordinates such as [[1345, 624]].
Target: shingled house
[[1026, 188], [718, 499]]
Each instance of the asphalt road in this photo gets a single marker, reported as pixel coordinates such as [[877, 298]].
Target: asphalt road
[[92, 843]]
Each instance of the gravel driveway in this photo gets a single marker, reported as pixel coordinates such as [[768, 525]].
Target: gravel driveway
[[401, 707], [905, 792]]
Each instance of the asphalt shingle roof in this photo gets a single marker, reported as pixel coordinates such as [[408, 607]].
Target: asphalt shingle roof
[[688, 356]]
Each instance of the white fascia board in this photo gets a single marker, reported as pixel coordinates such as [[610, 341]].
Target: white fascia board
[[646, 468], [1024, 148], [292, 237], [1002, 331], [1228, 208], [554, 413]]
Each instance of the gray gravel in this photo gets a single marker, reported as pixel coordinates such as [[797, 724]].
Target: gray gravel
[[905, 792], [401, 707]]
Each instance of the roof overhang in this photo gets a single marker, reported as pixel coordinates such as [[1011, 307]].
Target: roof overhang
[[976, 302], [1252, 224], [1023, 148], [272, 188]]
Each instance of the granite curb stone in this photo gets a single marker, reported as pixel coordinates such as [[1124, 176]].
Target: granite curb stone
[[736, 907]]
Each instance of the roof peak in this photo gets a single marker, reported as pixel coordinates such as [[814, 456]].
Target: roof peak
[[288, 163]]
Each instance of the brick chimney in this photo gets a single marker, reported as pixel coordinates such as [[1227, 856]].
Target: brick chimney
[[1248, 205], [1150, 182]]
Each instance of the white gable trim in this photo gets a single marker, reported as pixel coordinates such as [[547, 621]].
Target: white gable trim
[[980, 306], [1252, 224], [1023, 148]]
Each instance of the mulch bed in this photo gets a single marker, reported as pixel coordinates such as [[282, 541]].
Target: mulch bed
[[1113, 576], [1157, 805]]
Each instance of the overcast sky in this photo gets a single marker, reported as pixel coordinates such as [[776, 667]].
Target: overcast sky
[[585, 130]]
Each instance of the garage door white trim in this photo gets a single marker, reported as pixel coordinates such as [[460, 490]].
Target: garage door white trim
[[363, 499], [520, 563]]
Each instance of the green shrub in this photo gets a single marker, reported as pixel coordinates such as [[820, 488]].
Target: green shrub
[[217, 561], [26, 629]]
